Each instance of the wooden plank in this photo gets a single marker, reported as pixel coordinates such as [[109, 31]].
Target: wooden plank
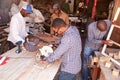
[[108, 37], [116, 43], [116, 26], [3, 39], [117, 4]]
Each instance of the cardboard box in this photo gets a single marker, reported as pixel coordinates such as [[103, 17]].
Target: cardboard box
[[119, 54], [111, 54], [108, 64], [104, 59], [95, 59], [115, 72], [116, 56]]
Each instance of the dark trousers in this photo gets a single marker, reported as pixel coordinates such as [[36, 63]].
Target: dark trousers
[[11, 45]]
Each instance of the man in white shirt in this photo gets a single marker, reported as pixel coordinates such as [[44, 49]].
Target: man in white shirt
[[36, 16], [17, 26]]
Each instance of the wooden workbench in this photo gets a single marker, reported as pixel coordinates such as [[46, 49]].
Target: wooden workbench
[[22, 67], [106, 73]]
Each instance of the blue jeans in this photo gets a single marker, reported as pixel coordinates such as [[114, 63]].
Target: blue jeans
[[87, 53], [66, 76]]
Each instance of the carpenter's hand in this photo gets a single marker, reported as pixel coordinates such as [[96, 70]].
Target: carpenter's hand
[[108, 42], [114, 22]]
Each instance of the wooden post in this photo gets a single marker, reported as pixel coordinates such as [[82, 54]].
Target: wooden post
[[94, 9], [87, 1]]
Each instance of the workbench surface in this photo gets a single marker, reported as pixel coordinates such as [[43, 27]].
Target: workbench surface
[[22, 67], [106, 73]]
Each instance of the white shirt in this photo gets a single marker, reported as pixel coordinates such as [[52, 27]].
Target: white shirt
[[17, 29], [14, 9], [38, 16]]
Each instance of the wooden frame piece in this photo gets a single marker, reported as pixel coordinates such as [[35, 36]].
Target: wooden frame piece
[[108, 38]]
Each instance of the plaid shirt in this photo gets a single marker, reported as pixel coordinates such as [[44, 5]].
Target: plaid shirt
[[95, 36], [69, 51]]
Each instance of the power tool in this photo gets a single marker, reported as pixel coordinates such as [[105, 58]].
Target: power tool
[[19, 49]]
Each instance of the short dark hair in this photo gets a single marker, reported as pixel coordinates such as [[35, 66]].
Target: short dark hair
[[58, 22]]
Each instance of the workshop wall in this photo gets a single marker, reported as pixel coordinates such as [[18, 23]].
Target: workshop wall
[[102, 7], [4, 11]]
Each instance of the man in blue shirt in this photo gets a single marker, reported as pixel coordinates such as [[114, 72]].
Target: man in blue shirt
[[69, 50], [96, 32]]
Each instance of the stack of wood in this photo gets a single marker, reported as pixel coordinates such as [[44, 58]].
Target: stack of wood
[[107, 63]]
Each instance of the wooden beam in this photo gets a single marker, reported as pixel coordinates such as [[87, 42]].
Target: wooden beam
[[116, 43], [116, 26]]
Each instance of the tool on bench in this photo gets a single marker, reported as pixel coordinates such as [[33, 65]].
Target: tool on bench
[[19, 49]]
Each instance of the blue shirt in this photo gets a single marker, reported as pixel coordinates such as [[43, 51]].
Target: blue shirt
[[95, 36], [69, 51]]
